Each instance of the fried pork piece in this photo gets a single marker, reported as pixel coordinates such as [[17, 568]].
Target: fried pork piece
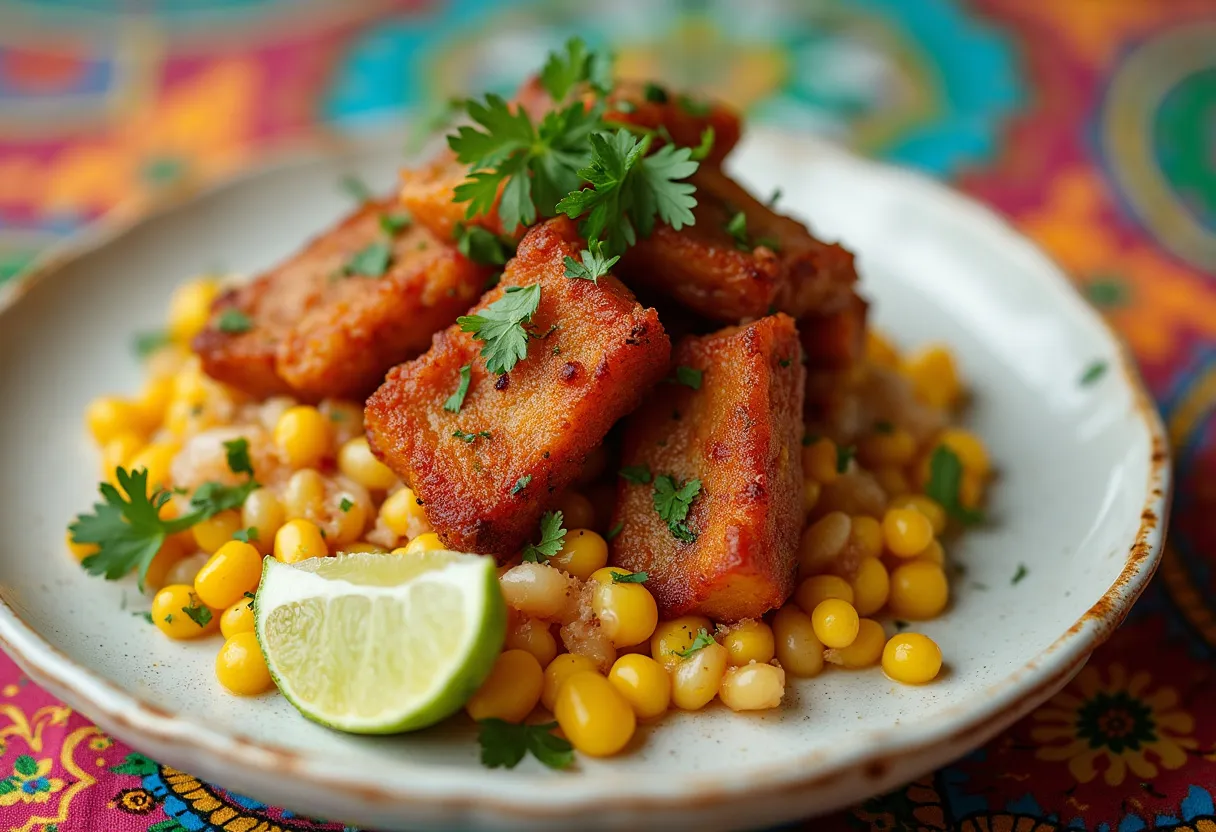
[[739, 434], [318, 332], [428, 193], [486, 473]]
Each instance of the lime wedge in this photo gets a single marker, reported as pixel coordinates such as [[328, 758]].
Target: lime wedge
[[377, 644]]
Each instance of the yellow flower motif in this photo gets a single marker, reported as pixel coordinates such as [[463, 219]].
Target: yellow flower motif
[[29, 782], [1119, 720], [100, 743]]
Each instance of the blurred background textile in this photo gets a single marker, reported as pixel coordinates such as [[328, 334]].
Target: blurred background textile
[[1090, 123]]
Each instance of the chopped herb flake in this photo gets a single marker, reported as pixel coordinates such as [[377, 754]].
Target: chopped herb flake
[[233, 322], [501, 327], [246, 535], [673, 503], [1020, 574], [346, 504], [703, 640], [521, 483], [637, 474], [471, 437], [689, 377], [456, 400], [945, 479], [505, 744], [615, 530], [370, 261], [552, 534], [629, 577], [1093, 372]]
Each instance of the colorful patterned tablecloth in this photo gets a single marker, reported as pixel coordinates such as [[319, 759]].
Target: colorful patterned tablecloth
[[1091, 123]]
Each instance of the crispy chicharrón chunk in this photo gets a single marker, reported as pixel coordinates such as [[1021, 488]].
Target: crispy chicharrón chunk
[[738, 433], [485, 473], [317, 326]]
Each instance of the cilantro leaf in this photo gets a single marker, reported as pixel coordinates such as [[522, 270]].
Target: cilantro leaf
[[672, 504], [505, 744], [594, 265], [551, 536], [346, 505], [774, 198], [197, 612], [146, 616], [629, 577], [615, 530], [456, 400], [370, 261], [127, 530], [246, 535], [654, 93], [210, 498], [692, 106], [470, 438], [736, 227], [482, 246], [703, 640], [563, 71], [844, 455], [147, 343], [500, 326], [706, 147], [1020, 574], [637, 474], [945, 479], [356, 187], [394, 223], [237, 451], [521, 483], [689, 377], [1093, 372], [233, 321]]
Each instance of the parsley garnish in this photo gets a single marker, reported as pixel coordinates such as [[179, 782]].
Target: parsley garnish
[[784, 362], [945, 478], [629, 577], [237, 452], [505, 744], [562, 72], [521, 483], [736, 227], [346, 504], [772, 200], [844, 455], [370, 261], [637, 474], [233, 321], [454, 402], [692, 106], [1021, 573], [356, 187], [1107, 292], [210, 498], [594, 265], [501, 327], [630, 189], [481, 246], [654, 93], [146, 616], [615, 530], [470, 437], [393, 224], [246, 535], [197, 611], [706, 146], [673, 503], [809, 439], [703, 640], [1093, 372], [689, 377], [551, 536], [147, 343]]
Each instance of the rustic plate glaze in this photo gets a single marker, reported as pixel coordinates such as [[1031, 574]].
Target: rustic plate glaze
[[1080, 503]]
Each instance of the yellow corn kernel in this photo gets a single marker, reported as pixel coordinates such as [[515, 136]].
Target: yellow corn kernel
[[214, 532], [696, 678], [891, 447], [594, 716], [820, 460], [798, 648], [184, 570], [893, 481], [167, 361], [240, 667], [750, 640], [347, 518], [675, 636], [906, 532], [934, 553], [926, 506], [934, 376], [172, 611], [532, 635], [912, 658], [428, 542], [153, 401], [364, 547], [835, 622], [577, 511], [304, 495], [80, 551], [263, 510], [871, 586], [866, 649], [118, 450], [818, 588], [627, 612], [969, 449], [235, 568], [170, 553], [582, 553], [512, 689], [403, 514], [157, 459], [643, 683], [919, 590], [753, 687], [108, 416], [535, 589], [298, 540], [866, 536], [238, 618], [879, 350], [558, 671], [822, 542], [190, 308], [355, 460], [811, 490], [303, 436]]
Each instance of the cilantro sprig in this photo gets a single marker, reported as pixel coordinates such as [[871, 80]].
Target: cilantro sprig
[[456, 400], [945, 480], [594, 264], [501, 327], [506, 744], [552, 535], [672, 504], [702, 640]]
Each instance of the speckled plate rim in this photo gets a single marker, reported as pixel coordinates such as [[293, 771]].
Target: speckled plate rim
[[426, 795]]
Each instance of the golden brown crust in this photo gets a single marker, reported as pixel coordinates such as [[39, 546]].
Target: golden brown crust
[[428, 193], [543, 417], [740, 435], [317, 333]]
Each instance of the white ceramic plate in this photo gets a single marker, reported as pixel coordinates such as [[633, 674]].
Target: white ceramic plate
[[1080, 503]]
